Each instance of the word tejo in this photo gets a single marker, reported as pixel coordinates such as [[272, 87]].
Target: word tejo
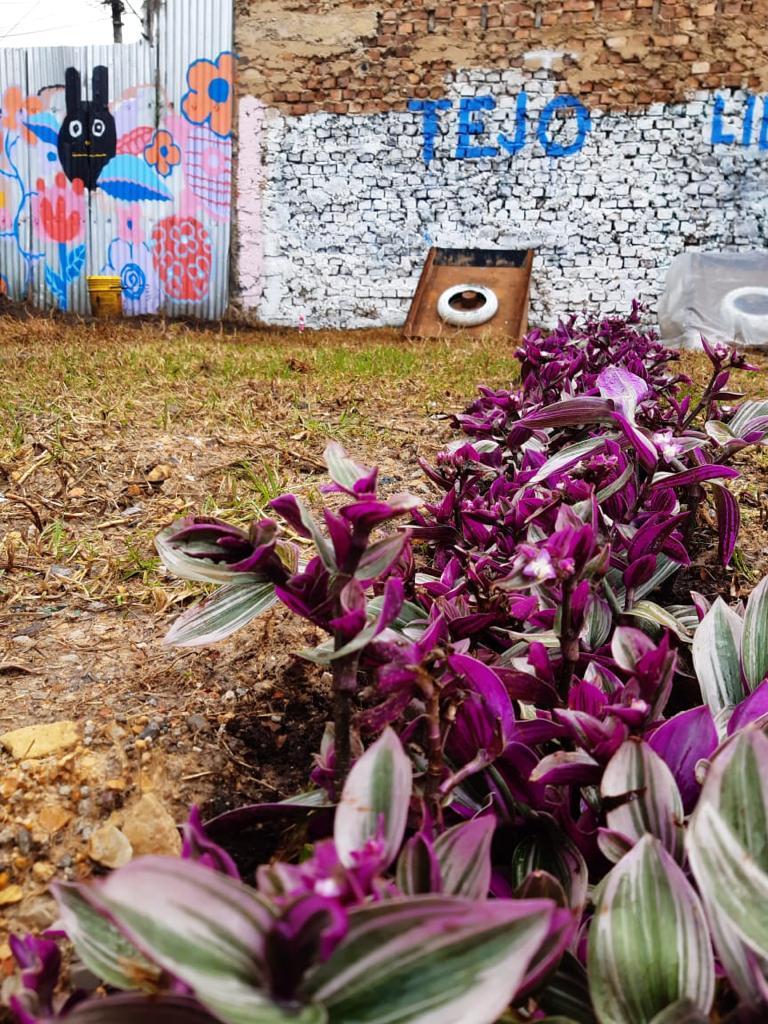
[[471, 125]]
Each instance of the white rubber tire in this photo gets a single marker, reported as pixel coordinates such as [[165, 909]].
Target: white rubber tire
[[467, 317], [740, 321]]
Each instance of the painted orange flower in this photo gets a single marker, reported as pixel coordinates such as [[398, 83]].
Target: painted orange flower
[[15, 106], [162, 153], [209, 98]]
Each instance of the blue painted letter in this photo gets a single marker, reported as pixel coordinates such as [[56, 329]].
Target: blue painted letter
[[719, 136], [468, 127], [515, 144], [431, 125], [583, 123]]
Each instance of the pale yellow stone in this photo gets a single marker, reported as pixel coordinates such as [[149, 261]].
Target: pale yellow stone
[[41, 740], [149, 827], [12, 894], [52, 818], [109, 846]]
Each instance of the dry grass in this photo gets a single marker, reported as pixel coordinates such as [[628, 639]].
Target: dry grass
[[107, 433]]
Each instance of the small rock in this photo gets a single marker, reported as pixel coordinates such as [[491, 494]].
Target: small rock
[[37, 914], [149, 827], [110, 847], [158, 473], [52, 818], [43, 871], [35, 741], [197, 723], [152, 730], [23, 839], [11, 894]]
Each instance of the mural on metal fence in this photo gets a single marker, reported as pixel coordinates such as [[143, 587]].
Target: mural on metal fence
[[87, 187]]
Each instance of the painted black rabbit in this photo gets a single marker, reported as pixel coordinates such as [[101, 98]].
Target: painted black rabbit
[[88, 137]]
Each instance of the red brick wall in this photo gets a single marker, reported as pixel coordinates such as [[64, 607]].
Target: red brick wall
[[351, 56]]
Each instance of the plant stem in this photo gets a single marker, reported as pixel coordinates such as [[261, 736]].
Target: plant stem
[[702, 401], [344, 685], [569, 641], [435, 755]]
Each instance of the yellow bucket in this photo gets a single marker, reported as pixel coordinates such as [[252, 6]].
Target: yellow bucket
[[106, 296]]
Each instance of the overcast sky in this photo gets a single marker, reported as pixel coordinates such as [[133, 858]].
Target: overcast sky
[[26, 23]]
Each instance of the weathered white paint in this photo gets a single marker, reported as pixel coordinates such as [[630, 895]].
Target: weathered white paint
[[350, 209]]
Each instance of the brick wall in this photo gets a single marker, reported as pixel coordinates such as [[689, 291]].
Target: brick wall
[[609, 135], [354, 56]]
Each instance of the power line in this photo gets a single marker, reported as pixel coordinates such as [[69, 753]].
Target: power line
[[41, 31], [17, 23]]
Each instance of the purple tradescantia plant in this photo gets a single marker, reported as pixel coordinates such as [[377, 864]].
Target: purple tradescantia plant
[[259, 568], [554, 750]]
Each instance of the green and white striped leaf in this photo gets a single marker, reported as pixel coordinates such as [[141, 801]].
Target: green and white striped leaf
[[549, 849], [464, 855], [735, 787], [598, 620], [649, 611], [375, 800], [342, 470], [380, 556], [103, 949], [224, 613], [716, 657], [754, 645], [323, 545], [431, 960], [649, 944], [746, 414], [642, 797], [728, 853], [684, 1012], [568, 456], [566, 994], [200, 569], [203, 927]]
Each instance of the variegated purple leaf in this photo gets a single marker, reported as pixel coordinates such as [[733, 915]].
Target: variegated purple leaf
[[231, 608], [683, 741], [464, 855], [204, 928], [754, 644], [566, 767], [728, 522], [374, 802], [751, 709], [716, 656], [569, 412], [697, 475], [465, 961], [649, 942], [640, 796]]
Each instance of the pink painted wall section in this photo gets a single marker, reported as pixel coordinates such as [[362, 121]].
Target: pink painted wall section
[[250, 202]]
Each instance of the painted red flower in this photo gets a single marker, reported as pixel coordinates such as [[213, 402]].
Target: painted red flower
[[182, 255], [60, 209]]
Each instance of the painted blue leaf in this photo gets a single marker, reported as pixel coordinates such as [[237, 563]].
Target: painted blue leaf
[[45, 127], [130, 178], [56, 285], [75, 263]]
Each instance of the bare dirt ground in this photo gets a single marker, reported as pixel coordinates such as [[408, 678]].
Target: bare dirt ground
[[106, 436]]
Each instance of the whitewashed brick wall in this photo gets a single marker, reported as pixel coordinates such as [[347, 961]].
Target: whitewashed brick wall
[[349, 208]]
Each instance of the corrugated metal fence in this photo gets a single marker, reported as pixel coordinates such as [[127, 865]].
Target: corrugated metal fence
[[117, 160]]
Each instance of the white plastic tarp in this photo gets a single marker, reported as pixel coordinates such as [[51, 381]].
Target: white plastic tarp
[[722, 295]]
